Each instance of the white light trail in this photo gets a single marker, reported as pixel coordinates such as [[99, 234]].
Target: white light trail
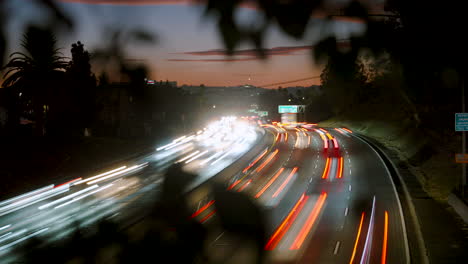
[[27, 194], [100, 175], [4, 227], [188, 156], [217, 154], [367, 247], [67, 197], [84, 195], [23, 238], [38, 198], [196, 156], [133, 168]]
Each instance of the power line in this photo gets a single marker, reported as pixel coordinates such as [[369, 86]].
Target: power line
[[293, 81]]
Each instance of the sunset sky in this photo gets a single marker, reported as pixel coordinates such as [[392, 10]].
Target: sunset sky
[[189, 49]]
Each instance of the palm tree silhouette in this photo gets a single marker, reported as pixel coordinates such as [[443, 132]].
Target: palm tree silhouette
[[34, 75]]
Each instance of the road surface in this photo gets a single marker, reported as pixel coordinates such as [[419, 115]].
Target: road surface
[[327, 195]]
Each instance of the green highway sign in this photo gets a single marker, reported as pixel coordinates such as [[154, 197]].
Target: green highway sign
[[292, 109], [461, 122], [262, 113]]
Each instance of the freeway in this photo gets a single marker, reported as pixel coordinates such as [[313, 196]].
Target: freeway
[[327, 195], [54, 211]]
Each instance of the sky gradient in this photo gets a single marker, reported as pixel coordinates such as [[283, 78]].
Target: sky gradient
[[188, 49]]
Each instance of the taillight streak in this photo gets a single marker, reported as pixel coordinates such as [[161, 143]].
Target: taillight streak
[[272, 155], [357, 239], [234, 184], [335, 143], [208, 216], [327, 168], [245, 185], [285, 182], [385, 237], [309, 223], [287, 222], [202, 209], [270, 182], [339, 172], [255, 161]]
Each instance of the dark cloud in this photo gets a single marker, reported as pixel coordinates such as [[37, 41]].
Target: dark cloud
[[249, 52], [246, 54], [241, 55], [213, 60]]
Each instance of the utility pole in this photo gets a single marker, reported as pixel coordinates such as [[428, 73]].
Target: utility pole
[[463, 176]]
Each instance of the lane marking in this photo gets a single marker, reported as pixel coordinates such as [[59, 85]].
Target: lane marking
[[337, 246], [346, 211], [349, 188]]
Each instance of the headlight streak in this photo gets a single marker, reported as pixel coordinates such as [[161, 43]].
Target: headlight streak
[[84, 195], [234, 137], [38, 198], [100, 175], [22, 239], [4, 227], [131, 169], [31, 193], [188, 156], [185, 140], [67, 197], [217, 154], [196, 156], [370, 232]]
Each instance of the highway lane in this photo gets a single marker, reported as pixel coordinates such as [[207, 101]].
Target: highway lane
[[340, 206], [314, 198], [363, 191], [53, 211]]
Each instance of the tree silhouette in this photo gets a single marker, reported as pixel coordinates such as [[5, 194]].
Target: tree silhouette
[[82, 85], [35, 74]]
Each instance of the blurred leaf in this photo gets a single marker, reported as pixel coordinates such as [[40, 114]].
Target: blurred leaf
[[355, 9], [142, 37]]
